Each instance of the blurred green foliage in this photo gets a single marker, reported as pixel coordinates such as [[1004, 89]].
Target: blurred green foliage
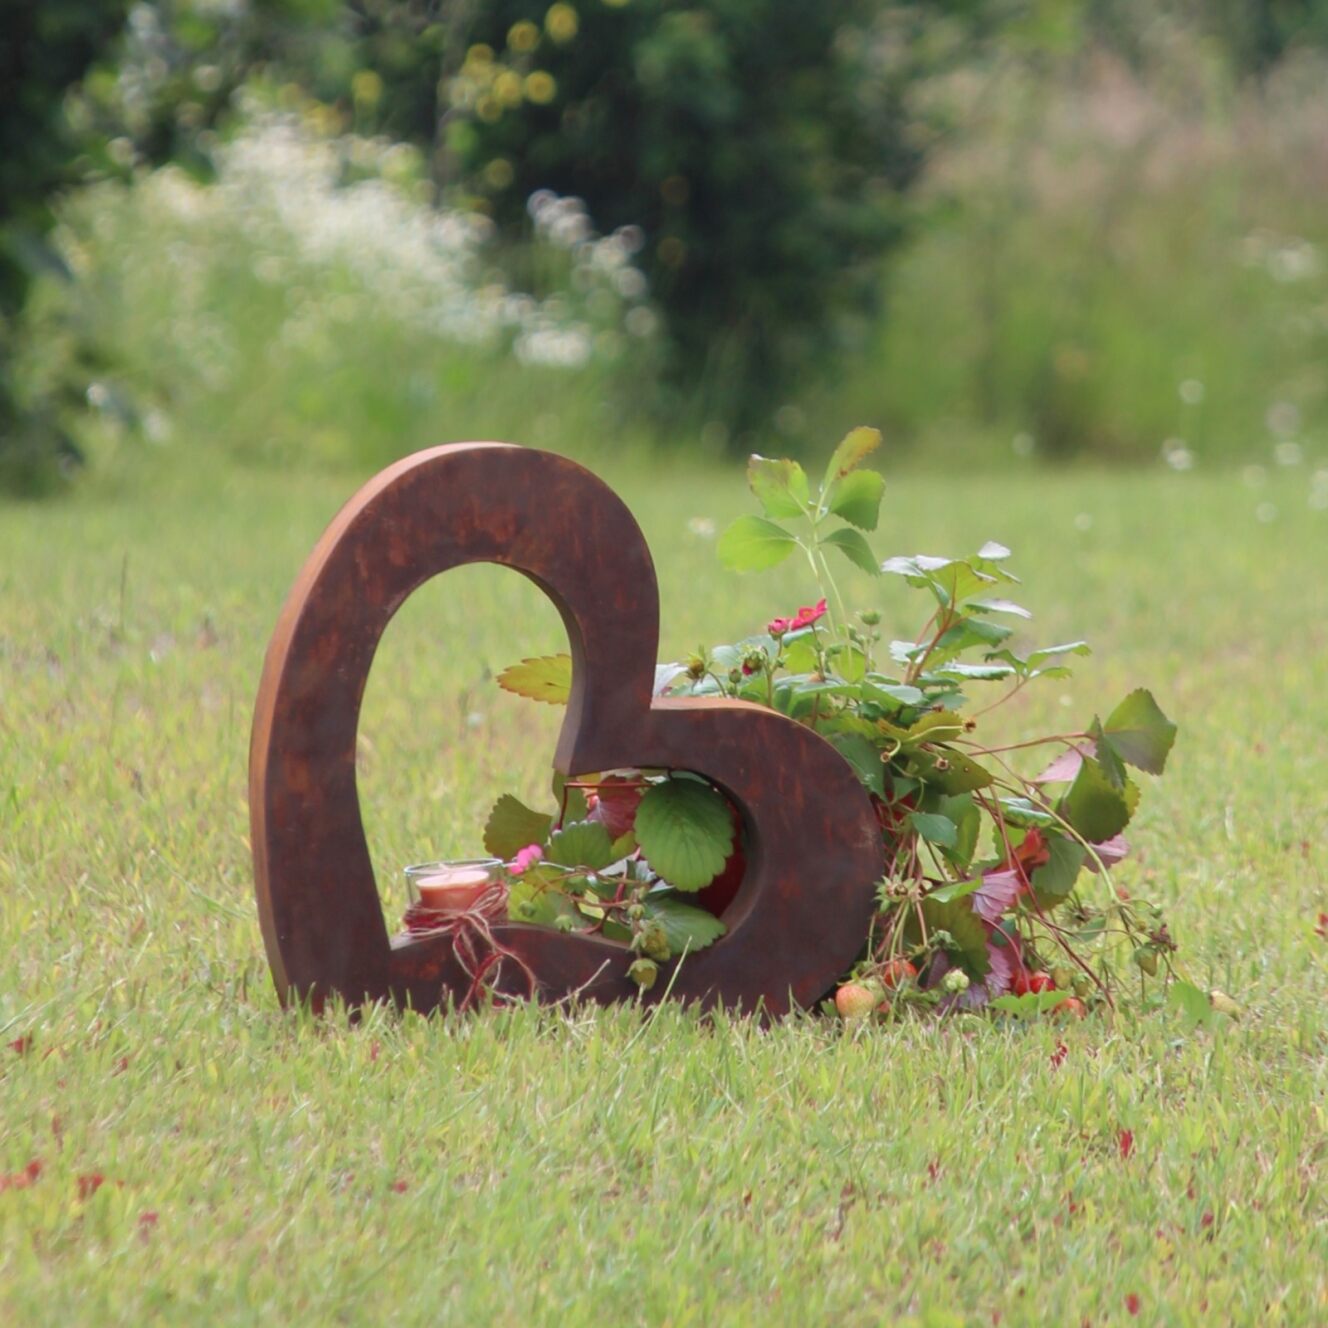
[[762, 145], [308, 305], [175, 74], [1123, 259], [160, 93], [1054, 243], [1251, 35], [44, 49]]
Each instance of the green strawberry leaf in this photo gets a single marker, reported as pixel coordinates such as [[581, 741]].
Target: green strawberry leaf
[[575, 808], [935, 828], [970, 936], [890, 695], [981, 672], [780, 486], [685, 830], [865, 758], [752, 544], [964, 812], [1035, 657], [687, 927], [947, 894], [1028, 1005], [1140, 732], [800, 650], [1094, 806], [1108, 757], [512, 826], [1194, 1006], [1022, 812], [857, 498], [1055, 878], [999, 606], [535, 897], [547, 678], [952, 772], [848, 661], [951, 580], [935, 726], [965, 635], [855, 548], [581, 844]]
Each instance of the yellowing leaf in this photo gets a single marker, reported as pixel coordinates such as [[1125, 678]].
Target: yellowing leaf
[[781, 486], [547, 678], [858, 444]]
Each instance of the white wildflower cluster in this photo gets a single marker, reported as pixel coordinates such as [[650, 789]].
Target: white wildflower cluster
[[340, 223], [1177, 454], [602, 272], [1286, 258]]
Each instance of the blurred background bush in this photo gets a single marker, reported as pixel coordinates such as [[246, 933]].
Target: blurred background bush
[[327, 232]]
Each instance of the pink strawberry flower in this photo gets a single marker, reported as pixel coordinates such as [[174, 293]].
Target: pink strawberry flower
[[778, 626], [807, 615], [525, 859]]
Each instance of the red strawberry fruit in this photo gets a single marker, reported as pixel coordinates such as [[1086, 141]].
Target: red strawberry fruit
[[896, 972]]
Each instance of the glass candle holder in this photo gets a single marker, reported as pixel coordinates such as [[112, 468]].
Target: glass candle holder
[[452, 887]]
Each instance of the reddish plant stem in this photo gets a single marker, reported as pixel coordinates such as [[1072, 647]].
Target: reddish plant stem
[[993, 807]]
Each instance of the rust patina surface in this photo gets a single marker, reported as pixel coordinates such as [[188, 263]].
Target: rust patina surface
[[813, 846]]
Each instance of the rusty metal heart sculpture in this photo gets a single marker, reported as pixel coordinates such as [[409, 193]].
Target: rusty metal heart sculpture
[[812, 841]]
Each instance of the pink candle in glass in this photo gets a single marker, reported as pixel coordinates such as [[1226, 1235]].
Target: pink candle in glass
[[451, 888]]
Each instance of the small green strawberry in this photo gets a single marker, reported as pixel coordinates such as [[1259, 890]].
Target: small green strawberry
[[643, 972], [655, 941]]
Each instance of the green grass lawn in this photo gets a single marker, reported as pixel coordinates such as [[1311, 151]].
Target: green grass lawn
[[595, 1167]]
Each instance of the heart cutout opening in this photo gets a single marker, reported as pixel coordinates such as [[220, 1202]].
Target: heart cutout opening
[[429, 790]]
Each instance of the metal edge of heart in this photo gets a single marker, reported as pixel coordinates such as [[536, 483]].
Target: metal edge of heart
[[812, 837]]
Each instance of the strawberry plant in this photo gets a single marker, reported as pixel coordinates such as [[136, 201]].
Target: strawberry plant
[[995, 885]]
